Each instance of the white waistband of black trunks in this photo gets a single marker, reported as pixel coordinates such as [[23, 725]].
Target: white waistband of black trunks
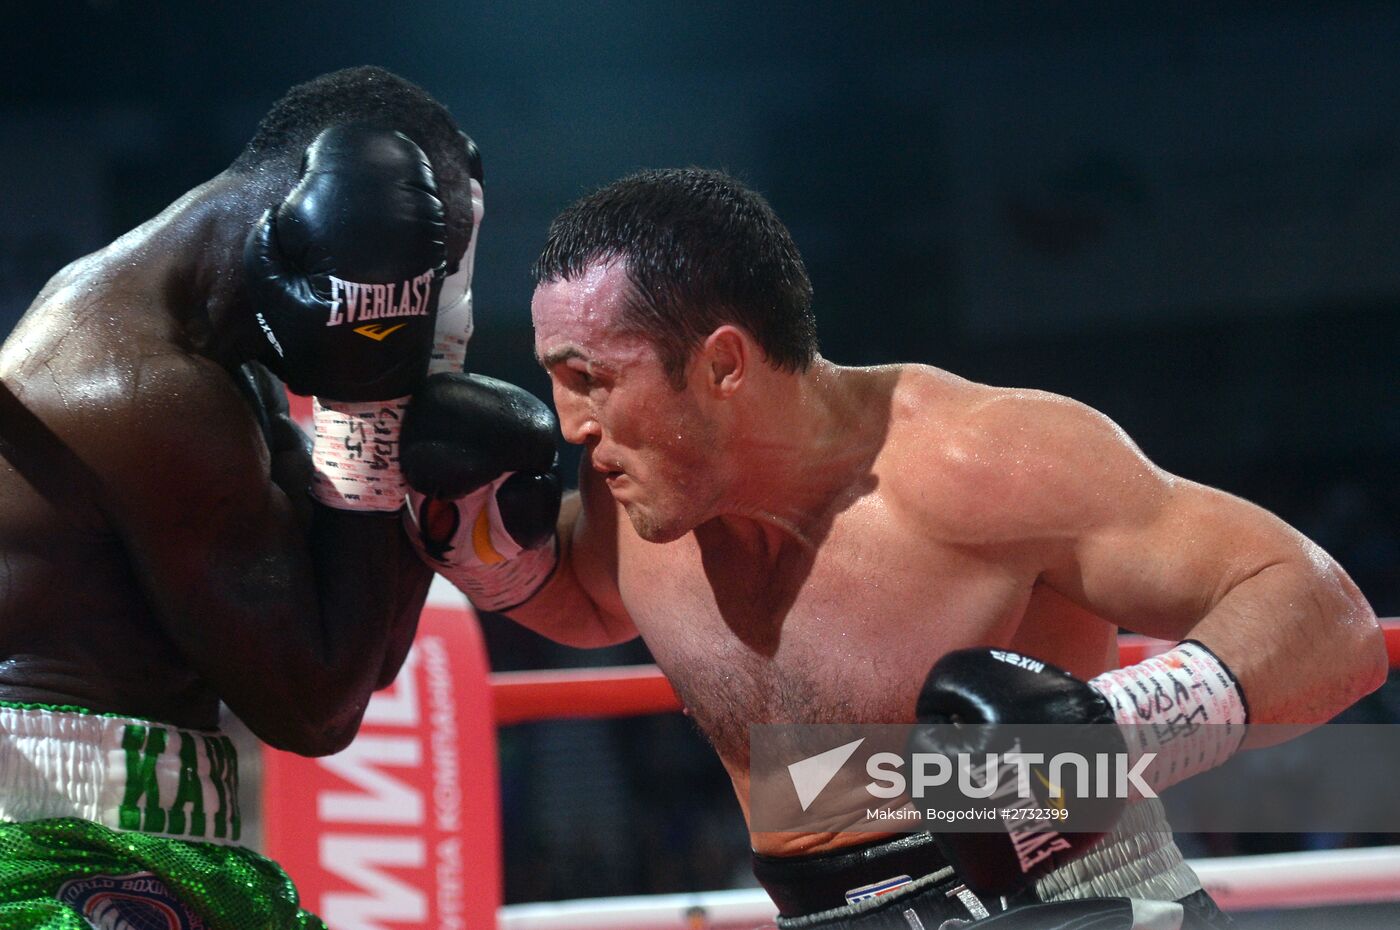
[[1139, 859]]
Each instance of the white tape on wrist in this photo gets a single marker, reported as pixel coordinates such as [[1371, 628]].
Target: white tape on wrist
[[453, 329], [505, 584], [356, 455], [1183, 705], [465, 541]]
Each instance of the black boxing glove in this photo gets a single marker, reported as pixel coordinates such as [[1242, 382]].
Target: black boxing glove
[[290, 448], [345, 277], [461, 431], [1183, 712], [994, 686], [974, 698], [479, 457]]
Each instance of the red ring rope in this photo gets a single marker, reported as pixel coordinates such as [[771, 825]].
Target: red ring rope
[[624, 691]]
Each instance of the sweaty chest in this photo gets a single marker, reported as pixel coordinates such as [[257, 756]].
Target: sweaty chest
[[843, 634]]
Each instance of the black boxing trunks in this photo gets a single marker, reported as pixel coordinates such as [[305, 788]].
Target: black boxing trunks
[[859, 881], [1135, 879]]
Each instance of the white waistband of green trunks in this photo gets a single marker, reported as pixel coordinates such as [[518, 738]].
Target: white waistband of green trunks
[[122, 773]]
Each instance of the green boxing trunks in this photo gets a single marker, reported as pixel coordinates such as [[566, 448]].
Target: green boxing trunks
[[109, 822]]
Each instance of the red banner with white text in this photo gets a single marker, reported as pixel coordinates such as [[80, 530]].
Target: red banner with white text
[[402, 828]]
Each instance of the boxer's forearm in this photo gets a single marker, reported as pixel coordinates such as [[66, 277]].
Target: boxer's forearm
[[370, 590], [413, 579], [563, 612], [567, 609], [1300, 638]]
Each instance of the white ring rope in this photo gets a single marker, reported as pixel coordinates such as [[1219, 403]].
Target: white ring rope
[[1278, 880]]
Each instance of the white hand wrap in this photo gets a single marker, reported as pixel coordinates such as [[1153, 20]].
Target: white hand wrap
[[356, 449], [1183, 705], [454, 317], [356, 455], [466, 542]]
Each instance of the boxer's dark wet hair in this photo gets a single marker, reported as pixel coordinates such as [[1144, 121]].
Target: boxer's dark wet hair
[[374, 95], [701, 250]]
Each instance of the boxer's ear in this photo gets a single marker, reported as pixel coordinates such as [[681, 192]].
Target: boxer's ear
[[725, 358]]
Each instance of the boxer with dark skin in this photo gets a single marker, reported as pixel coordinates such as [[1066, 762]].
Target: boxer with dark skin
[[158, 548], [800, 542], [160, 552]]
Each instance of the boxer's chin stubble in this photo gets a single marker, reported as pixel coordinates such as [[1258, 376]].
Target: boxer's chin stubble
[[653, 525]]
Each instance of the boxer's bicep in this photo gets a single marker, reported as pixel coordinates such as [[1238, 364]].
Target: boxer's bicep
[[215, 544], [1142, 548], [1173, 552], [1171, 558]]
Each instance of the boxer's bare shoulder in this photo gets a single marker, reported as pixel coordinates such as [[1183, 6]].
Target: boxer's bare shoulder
[[87, 313], [115, 431], [994, 466], [101, 358]]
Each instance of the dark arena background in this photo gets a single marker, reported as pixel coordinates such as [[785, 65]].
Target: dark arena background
[[1186, 219]]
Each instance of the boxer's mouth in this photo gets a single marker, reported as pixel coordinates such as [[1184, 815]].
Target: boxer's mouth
[[611, 471]]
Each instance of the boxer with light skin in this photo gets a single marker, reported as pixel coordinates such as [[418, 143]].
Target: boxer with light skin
[[169, 540], [801, 542]]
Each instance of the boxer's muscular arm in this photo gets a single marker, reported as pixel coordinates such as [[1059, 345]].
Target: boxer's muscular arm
[[580, 605], [292, 624], [291, 468], [1167, 557]]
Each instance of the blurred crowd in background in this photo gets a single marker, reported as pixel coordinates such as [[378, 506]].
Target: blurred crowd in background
[[1185, 219]]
